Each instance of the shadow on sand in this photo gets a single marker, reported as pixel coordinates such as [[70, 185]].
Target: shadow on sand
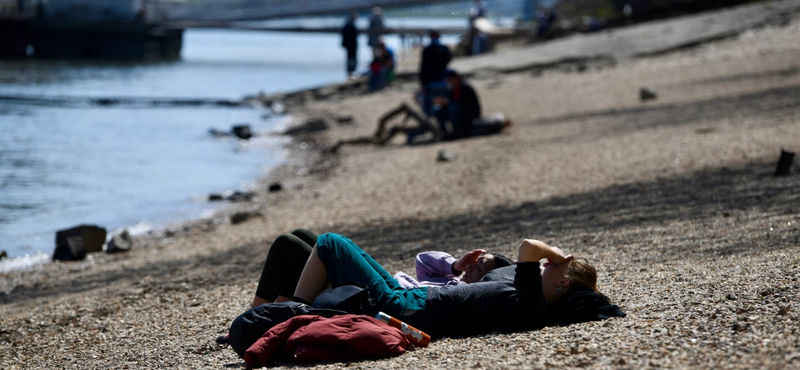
[[770, 106], [608, 218]]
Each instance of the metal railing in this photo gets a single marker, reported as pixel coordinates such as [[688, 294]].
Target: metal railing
[[242, 10]]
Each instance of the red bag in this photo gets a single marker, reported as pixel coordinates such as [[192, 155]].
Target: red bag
[[310, 338]]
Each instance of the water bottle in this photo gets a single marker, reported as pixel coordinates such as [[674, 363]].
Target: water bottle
[[415, 336]]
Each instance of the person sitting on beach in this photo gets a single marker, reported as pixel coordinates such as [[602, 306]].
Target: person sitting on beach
[[381, 68], [289, 252], [562, 290], [461, 107], [456, 115]]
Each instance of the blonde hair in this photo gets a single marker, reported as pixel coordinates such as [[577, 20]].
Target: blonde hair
[[580, 271]]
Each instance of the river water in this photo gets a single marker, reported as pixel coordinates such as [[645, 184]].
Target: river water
[[118, 166], [65, 161]]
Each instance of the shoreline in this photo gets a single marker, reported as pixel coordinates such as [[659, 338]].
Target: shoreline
[[673, 199]]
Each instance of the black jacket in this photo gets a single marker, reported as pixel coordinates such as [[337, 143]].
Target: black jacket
[[435, 58], [349, 36], [467, 100], [489, 306]]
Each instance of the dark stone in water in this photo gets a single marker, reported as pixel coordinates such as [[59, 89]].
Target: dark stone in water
[[241, 196], [73, 244], [121, 242], [275, 186], [240, 217], [236, 196], [3, 255], [242, 131], [217, 133]]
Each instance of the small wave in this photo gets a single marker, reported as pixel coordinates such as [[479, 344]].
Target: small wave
[[24, 263]]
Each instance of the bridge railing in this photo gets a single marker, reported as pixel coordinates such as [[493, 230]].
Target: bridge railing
[[242, 10]]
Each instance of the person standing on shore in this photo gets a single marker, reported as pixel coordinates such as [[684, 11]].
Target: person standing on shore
[[376, 28], [434, 61], [350, 43]]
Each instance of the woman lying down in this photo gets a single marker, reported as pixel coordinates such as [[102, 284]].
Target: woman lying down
[[545, 287]]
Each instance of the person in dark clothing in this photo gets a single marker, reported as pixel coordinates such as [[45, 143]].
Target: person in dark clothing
[[463, 106], [350, 43], [376, 28], [535, 298], [434, 61]]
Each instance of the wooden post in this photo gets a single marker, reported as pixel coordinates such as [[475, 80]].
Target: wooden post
[[784, 163]]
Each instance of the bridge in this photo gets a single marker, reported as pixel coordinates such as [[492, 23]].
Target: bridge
[[150, 29], [197, 12], [160, 12]]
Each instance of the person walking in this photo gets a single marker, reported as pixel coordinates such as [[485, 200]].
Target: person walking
[[350, 43]]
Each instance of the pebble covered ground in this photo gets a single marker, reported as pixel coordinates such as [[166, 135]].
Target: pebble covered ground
[[673, 199]]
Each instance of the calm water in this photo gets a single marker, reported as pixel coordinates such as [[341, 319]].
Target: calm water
[[144, 166], [121, 166]]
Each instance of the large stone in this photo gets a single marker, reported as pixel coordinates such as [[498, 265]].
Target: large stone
[[3, 255], [121, 242], [242, 131], [73, 244]]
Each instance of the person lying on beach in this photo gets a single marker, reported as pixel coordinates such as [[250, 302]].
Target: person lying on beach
[[289, 252], [562, 290]]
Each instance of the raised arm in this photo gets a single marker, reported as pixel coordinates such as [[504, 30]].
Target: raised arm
[[531, 250]]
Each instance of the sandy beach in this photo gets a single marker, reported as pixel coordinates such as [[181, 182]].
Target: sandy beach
[[673, 199]]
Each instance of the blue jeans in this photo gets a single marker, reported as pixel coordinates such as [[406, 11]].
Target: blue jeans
[[433, 90], [348, 263]]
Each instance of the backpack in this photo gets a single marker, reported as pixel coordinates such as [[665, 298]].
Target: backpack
[[248, 327], [352, 298]]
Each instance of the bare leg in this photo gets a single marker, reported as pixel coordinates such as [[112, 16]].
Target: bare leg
[[258, 301], [314, 278]]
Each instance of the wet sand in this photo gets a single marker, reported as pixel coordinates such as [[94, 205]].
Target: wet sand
[[673, 199]]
